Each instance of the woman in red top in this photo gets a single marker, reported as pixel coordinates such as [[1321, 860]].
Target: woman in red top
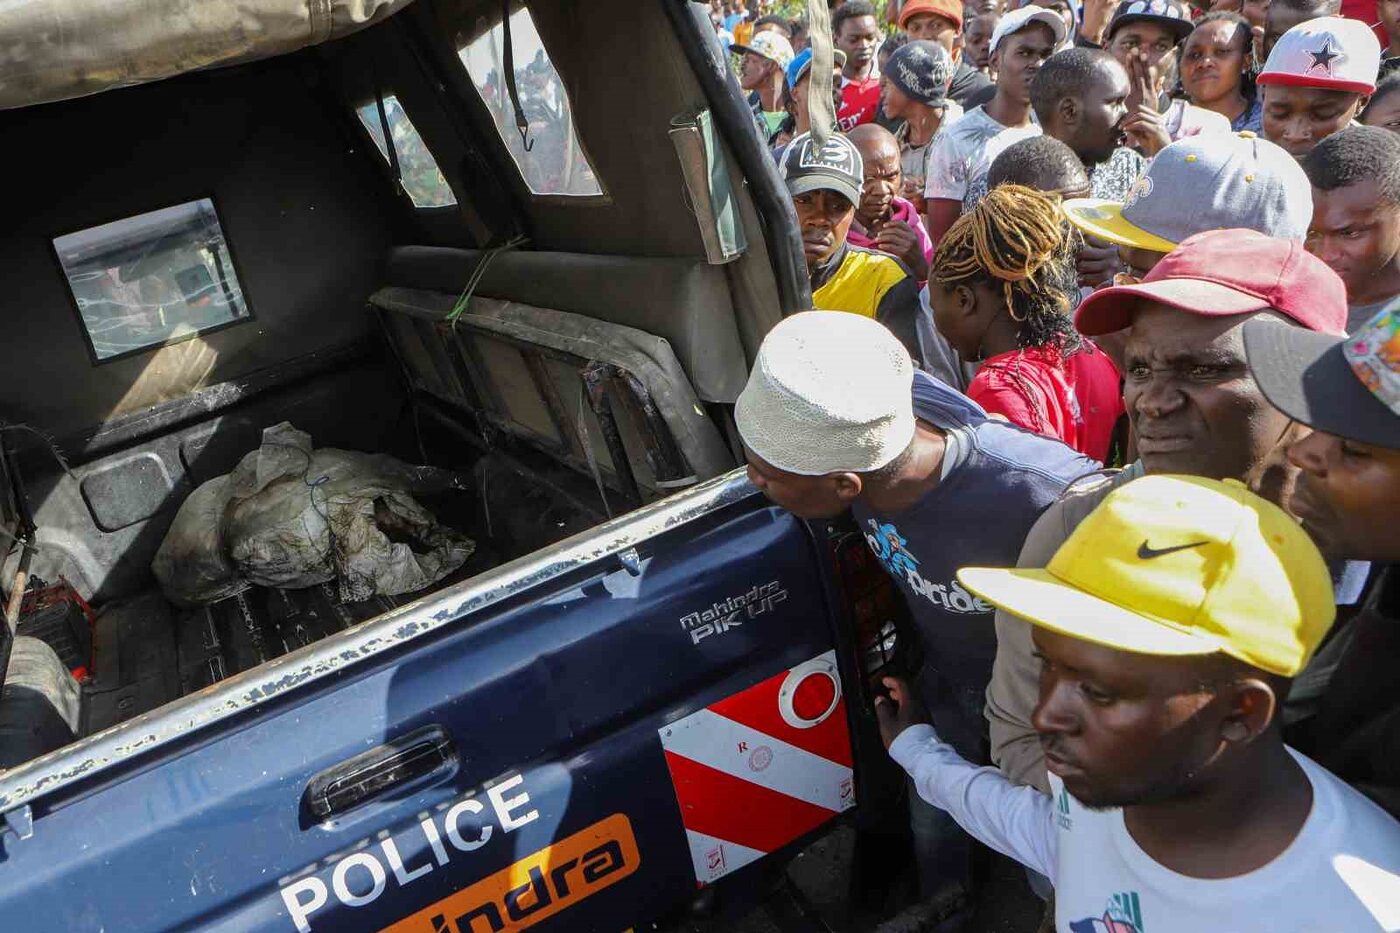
[[1000, 288]]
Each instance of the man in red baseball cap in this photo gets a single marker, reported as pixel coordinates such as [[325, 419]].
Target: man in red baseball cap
[[1193, 406]]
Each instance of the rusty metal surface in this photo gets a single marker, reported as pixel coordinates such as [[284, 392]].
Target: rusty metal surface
[[238, 694]]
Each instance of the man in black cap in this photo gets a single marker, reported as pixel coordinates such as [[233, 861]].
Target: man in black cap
[[915, 91], [825, 183], [1143, 36], [1348, 498]]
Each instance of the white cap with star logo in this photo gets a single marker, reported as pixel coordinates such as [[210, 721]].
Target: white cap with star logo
[[1332, 52]]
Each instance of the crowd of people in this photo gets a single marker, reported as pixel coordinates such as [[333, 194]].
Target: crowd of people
[[1116, 403]]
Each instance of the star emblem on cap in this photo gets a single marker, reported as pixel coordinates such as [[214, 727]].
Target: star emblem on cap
[[1322, 58]]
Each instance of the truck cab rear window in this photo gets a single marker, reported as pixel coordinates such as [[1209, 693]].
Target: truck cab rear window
[[419, 172], [554, 162], [152, 279]]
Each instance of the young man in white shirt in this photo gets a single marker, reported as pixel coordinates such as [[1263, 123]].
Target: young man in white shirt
[[1168, 626], [964, 150]]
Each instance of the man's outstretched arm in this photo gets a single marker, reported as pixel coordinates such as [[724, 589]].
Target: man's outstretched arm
[[1016, 821]]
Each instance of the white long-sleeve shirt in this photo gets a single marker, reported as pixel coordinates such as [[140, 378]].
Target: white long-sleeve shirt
[[1341, 872]]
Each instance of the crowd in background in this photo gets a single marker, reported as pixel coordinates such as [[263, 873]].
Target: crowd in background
[[1099, 263]]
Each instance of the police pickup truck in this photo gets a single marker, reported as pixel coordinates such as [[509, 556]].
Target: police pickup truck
[[533, 244]]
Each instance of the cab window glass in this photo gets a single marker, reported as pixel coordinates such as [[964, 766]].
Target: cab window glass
[[421, 177], [152, 279], [555, 162]]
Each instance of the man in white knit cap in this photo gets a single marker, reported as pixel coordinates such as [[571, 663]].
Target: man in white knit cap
[[834, 416]]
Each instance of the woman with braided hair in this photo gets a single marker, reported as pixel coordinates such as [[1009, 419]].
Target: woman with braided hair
[[1001, 287]]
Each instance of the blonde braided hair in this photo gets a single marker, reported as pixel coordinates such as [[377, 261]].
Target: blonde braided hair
[[1016, 237]]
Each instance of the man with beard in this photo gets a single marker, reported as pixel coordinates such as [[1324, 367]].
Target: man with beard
[[884, 220], [1167, 629], [1080, 98], [963, 152], [1355, 228], [1192, 405], [1317, 81], [825, 184]]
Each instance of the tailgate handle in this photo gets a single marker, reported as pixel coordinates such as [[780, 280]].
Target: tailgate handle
[[407, 759]]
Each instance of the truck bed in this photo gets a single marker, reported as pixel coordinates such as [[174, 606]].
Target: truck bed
[[148, 652]]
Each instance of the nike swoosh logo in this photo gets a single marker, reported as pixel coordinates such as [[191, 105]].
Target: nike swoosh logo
[[1147, 552]]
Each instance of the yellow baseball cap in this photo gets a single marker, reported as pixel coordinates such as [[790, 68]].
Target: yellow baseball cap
[[1179, 565]]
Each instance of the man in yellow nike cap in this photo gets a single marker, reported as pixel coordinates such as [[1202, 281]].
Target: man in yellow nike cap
[[1168, 625]]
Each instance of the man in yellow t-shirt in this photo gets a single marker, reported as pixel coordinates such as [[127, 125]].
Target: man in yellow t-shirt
[[825, 184]]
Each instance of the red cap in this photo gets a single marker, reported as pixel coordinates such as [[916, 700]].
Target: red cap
[[951, 10], [1224, 272]]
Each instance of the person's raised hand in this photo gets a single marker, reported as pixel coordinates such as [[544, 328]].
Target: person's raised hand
[[1098, 262], [898, 710], [1142, 83], [899, 240], [1146, 131]]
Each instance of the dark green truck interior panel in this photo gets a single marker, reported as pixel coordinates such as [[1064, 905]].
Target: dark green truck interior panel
[[316, 228]]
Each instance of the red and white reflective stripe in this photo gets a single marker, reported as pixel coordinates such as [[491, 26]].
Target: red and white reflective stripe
[[761, 768], [718, 856], [741, 752]]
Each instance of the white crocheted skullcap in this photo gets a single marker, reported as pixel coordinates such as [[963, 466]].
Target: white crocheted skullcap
[[830, 392]]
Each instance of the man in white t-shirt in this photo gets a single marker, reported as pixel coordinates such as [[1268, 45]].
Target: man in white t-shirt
[[1168, 626], [963, 151]]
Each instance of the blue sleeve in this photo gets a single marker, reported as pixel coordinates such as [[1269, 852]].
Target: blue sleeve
[[943, 406]]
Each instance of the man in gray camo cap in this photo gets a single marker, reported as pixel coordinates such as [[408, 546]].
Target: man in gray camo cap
[[915, 91]]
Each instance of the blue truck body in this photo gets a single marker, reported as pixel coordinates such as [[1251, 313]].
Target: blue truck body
[[549, 678]]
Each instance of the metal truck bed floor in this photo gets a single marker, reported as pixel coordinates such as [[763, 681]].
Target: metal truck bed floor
[[149, 652]]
